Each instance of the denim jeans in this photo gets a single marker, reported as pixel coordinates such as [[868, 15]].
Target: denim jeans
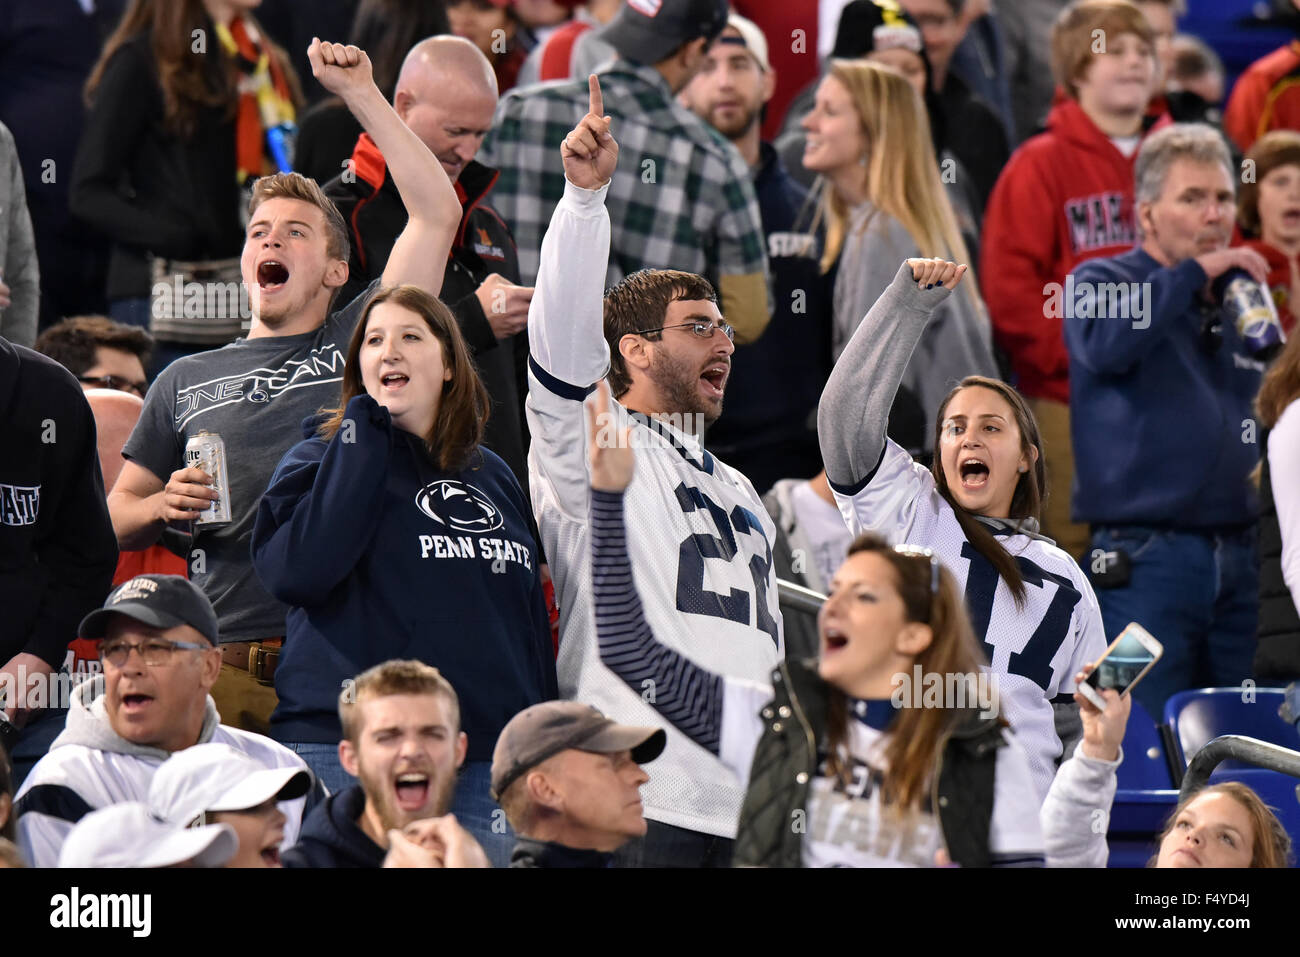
[[1198, 594], [473, 806]]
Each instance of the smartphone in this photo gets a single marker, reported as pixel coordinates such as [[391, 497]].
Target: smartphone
[[1124, 664]]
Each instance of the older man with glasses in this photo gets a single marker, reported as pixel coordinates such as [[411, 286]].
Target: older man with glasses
[[158, 637]]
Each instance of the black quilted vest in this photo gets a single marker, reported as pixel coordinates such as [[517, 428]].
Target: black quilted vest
[[1277, 655], [785, 763]]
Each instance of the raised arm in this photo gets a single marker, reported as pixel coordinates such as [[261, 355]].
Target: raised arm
[[419, 256], [854, 407], [684, 693], [566, 324]]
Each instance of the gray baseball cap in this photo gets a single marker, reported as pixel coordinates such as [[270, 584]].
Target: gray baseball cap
[[647, 31], [546, 729]]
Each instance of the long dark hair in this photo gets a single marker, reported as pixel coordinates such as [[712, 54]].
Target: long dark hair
[[917, 731], [189, 82], [462, 411], [1026, 501], [387, 29], [1281, 385], [7, 827]]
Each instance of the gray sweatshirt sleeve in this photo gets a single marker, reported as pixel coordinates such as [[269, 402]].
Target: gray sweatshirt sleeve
[[18, 267], [1076, 814], [854, 408]]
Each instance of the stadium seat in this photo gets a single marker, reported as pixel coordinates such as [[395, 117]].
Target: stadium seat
[[1146, 764], [1198, 716], [1136, 817]]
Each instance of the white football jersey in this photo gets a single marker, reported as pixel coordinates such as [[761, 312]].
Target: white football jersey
[[1035, 651], [699, 537]]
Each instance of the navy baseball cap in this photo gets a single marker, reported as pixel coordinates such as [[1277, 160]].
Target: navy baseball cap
[[161, 601], [647, 31]]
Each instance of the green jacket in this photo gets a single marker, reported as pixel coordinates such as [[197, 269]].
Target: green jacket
[[785, 763]]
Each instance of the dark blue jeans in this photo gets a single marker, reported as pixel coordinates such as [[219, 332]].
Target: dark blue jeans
[[1197, 593], [473, 806]]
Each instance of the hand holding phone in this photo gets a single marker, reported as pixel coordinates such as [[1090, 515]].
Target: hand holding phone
[[1125, 663]]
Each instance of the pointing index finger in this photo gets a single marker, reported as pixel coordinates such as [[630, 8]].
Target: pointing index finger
[[597, 107]]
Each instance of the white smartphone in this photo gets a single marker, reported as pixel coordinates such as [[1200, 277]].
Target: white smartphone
[[1124, 664]]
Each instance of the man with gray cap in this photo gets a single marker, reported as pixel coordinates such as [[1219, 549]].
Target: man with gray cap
[[159, 652], [690, 204], [569, 780]]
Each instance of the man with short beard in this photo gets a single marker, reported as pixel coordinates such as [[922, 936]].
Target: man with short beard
[[402, 739], [768, 433], [256, 391], [700, 539]]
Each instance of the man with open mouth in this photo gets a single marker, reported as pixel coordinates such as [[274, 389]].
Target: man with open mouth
[[402, 740], [158, 648], [254, 392]]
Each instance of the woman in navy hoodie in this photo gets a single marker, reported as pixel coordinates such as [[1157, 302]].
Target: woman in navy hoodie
[[392, 533]]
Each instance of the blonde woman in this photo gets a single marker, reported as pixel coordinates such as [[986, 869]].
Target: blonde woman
[[882, 201]]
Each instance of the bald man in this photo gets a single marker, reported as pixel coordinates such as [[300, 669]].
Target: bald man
[[446, 93]]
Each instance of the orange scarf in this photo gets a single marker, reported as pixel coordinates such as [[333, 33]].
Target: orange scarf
[[265, 101]]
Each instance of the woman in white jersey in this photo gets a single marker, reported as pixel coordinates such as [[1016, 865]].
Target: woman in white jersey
[[847, 760], [977, 507]]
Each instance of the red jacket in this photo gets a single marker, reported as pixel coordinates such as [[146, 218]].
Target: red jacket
[[1279, 280], [1065, 196], [1266, 97]]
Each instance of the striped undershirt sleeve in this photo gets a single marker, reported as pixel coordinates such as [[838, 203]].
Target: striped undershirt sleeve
[[680, 690]]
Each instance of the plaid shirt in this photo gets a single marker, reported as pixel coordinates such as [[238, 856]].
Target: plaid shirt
[[682, 199]]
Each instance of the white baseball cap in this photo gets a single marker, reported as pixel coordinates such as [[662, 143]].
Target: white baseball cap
[[751, 38], [127, 835], [216, 777]]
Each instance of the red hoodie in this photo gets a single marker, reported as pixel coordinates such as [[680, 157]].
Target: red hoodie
[[1265, 97], [1065, 196]]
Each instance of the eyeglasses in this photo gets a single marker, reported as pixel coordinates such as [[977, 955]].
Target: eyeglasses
[[917, 551], [155, 652], [701, 328], [117, 382]]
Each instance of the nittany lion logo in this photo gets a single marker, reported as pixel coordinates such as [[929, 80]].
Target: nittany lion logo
[[458, 506]]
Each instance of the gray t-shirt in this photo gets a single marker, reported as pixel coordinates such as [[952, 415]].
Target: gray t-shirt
[[254, 393]]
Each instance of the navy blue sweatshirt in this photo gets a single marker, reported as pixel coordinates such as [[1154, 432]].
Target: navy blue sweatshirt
[[381, 555], [331, 836], [1160, 415]]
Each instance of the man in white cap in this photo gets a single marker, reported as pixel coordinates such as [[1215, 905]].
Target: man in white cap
[[159, 652], [127, 835], [215, 784], [569, 780]]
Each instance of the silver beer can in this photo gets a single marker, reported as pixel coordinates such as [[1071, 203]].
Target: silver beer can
[[207, 451]]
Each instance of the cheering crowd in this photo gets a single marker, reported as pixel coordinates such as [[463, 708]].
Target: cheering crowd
[[433, 463]]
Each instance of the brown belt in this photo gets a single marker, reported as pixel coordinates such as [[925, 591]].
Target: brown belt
[[258, 658]]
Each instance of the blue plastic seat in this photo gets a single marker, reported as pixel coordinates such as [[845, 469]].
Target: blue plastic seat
[[1197, 717], [1146, 762]]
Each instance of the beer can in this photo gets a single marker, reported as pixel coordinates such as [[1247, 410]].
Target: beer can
[[207, 451], [1250, 308]]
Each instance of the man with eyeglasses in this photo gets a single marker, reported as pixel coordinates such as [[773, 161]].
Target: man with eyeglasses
[[160, 658], [101, 353], [700, 540]]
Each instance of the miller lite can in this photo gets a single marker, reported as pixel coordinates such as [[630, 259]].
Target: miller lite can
[[1250, 309], [206, 451]]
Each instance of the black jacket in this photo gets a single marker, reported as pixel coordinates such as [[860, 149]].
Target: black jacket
[[785, 763], [57, 547], [1277, 656], [142, 186], [376, 215], [331, 837], [531, 853]]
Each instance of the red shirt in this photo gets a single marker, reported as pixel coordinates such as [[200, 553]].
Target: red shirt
[[1065, 196], [1265, 97], [1279, 279]]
